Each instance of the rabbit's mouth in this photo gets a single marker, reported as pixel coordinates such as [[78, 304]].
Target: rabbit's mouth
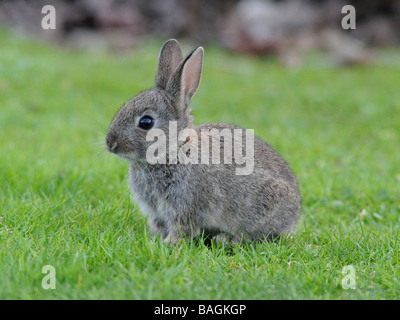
[[113, 148], [120, 151]]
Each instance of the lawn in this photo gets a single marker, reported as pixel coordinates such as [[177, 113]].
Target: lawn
[[65, 202]]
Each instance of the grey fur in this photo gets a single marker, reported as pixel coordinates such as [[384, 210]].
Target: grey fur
[[184, 200]]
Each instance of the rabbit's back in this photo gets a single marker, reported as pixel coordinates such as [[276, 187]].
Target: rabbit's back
[[264, 156]]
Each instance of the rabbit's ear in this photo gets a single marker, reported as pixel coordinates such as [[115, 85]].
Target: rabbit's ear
[[185, 80], [170, 57]]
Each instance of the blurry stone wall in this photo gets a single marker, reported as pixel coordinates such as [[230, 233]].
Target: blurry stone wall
[[285, 28]]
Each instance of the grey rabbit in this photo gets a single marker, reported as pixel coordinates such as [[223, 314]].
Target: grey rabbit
[[183, 200]]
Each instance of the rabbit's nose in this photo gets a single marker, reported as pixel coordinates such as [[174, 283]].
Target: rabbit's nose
[[111, 142]]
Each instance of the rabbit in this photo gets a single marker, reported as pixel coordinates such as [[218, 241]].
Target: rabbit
[[186, 200]]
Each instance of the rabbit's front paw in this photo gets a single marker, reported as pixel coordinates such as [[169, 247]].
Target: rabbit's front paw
[[172, 239], [157, 227]]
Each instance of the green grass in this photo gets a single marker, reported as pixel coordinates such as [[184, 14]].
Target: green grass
[[65, 202]]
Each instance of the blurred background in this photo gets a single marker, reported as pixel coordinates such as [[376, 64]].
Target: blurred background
[[284, 29]]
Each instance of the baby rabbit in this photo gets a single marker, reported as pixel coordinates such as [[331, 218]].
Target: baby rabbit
[[183, 199]]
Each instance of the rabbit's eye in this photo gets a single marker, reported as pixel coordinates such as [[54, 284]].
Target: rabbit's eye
[[146, 122]]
